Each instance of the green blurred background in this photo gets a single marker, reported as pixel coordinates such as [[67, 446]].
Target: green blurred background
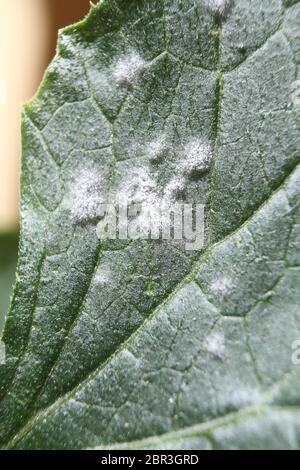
[[28, 32], [8, 259]]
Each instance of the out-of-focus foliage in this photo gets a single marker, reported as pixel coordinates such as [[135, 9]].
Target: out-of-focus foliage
[[8, 259]]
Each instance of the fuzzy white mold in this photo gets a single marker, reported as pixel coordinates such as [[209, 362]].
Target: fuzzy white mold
[[103, 276], [198, 157], [215, 344], [86, 195], [173, 189], [218, 5], [128, 68], [3, 93]]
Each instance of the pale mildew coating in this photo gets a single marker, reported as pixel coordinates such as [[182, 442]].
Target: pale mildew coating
[[198, 156], [128, 68], [222, 287], [86, 195], [157, 149], [215, 344]]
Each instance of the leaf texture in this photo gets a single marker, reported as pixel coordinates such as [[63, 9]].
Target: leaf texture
[[143, 344]]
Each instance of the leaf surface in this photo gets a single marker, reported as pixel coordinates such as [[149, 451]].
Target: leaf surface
[[143, 344], [8, 255]]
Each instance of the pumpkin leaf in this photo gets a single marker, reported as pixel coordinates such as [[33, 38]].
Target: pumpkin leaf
[[141, 343]]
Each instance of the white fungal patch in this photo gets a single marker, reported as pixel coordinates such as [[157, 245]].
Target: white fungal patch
[[2, 353], [243, 397], [102, 277], [215, 344], [218, 5], [130, 359], [86, 195], [3, 92], [128, 68], [30, 219], [139, 188], [222, 287], [157, 149], [198, 157], [173, 190]]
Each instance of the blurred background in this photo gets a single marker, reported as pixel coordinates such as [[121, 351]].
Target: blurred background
[[28, 32]]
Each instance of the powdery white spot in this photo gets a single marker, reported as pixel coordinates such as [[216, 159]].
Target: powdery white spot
[[130, 359], [218, 5], [86, 195], [2, 353], [74, 406], [198, 157], [3, 92], [128, 68], [215, 344], [157, 149], [103, 276], [222, 287], [243, 397]]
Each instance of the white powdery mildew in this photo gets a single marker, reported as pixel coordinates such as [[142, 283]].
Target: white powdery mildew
[[2, 353], [30, 219], [173, 189], [198, 157], [215, 344], [102, 277], [130, 360], [222, 287], [86, 195], [140, 190], [128, 68]]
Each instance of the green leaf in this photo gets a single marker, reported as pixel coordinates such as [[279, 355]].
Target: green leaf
[[144, 344]]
